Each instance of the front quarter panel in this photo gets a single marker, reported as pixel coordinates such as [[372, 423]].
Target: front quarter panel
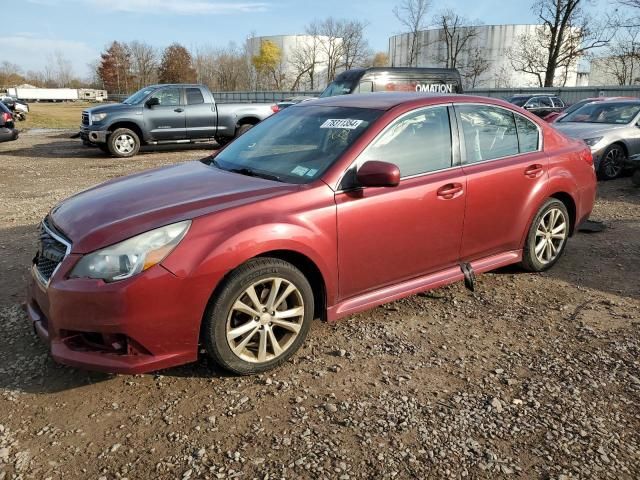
[[303, 222]]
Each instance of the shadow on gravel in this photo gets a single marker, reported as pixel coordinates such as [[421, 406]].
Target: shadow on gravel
[[74, 149]]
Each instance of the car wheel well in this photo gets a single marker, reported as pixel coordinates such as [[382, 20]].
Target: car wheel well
[[311, 271], [570, 204], [298, 260], [248, 121], [131, 126], [624, 147]]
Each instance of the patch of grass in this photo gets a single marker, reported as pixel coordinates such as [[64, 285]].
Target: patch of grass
[[54, 115]]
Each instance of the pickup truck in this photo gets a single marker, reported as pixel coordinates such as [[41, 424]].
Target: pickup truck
[[167, 114]]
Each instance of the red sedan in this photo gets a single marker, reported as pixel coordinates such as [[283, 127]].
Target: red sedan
[[329, 208]]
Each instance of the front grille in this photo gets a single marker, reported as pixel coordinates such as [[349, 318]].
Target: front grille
[[51, 251], [85, 118]]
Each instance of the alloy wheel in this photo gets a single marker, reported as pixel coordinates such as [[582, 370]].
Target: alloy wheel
[[551, 234], [612, 162], [265, 320], [124, 144]]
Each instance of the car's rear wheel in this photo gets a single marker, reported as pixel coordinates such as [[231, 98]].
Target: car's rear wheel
[[260, 316], [612, 162], [547, 236], [123, 143]]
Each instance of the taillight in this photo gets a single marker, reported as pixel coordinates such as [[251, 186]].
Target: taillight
[[7, 117], [587, 156], [275, 108]]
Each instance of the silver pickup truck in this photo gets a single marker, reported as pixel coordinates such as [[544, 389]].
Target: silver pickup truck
[[167, 114]]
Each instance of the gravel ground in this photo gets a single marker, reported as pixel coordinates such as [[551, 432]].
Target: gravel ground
[[531, 376]]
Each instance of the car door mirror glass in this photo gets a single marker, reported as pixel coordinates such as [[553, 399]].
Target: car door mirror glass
[[378, 174]]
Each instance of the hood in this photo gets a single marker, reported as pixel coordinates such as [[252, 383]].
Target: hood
[[125, 207], [113, 108], [583, 131]]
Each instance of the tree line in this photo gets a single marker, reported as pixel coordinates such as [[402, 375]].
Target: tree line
[[568, 31]]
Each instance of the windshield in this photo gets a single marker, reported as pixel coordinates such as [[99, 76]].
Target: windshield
[[576, 106], [297, 145], [338, 88], [519, 101], [138, 96], [604, 112]]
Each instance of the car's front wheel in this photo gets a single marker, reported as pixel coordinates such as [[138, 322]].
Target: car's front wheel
[[547, 236], [260, 316], [123, 143], [612, 162]]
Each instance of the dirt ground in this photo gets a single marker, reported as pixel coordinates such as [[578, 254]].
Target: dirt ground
[[531, 376], [54, 115]]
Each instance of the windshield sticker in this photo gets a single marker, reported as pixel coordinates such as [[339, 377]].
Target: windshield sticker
[[312, 172], [347, 123], [299, 171]]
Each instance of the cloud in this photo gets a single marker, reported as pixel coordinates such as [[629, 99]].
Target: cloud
[[32, 53], [163, 7]]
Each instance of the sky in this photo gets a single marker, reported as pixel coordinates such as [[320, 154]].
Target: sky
[[81, 29]]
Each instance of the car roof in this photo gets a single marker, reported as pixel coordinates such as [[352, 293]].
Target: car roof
[[389, 100]]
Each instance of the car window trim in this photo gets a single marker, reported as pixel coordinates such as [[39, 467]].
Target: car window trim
[[463, 146], [455, 152]]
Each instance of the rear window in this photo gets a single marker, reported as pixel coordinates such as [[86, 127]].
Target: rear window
[[194, 96]]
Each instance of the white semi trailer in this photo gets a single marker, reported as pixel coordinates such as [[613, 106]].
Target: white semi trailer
[[44, 94]]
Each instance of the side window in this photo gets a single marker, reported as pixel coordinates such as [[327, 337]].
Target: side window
[[557, 102], [419, 142], [545, 102], [528, 136], [489, 132], [365, 87], [194, 96], [168, 97], [533, 102]]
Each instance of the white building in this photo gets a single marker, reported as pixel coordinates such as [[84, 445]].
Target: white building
[[493, 43], [297, 50]]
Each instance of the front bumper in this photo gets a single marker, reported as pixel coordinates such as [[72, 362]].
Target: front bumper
[[94, 136], [138, 325]]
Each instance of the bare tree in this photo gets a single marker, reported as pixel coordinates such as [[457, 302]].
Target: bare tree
[[476, 66], [331, 46], [144, 63], [304, 61], [412, 15], [456, 34], [622, 57], [355, 47], [567, 33], [61, 68]]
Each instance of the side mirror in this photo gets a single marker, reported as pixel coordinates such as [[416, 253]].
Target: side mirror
[[378, 174], [152, 102]]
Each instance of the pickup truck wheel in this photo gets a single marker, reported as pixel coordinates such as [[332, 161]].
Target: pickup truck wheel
[[123, 143], [243, 129], [260, 317]]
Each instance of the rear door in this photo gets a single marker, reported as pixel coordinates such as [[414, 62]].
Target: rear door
[[166, 121], [505, 169], [390, 234], [201, 114]]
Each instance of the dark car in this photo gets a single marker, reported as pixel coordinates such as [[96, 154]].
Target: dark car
[[8, 129], [539, 104], [328, 208]]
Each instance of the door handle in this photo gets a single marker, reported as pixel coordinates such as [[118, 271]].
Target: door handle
[[179, 110], [449, 191], [533, 171]]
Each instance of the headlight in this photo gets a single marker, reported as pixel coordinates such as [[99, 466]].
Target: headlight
[[98, 117], [592, 141], [128, 258]]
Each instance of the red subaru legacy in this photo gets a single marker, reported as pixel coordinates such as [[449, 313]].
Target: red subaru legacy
[[326, 209]]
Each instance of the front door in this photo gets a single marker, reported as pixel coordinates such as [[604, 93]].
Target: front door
[[505, 168], [166, 121], [390, 234]]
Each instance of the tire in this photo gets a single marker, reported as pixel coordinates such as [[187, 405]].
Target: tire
[[123, 143], [635, 178], [243, 129], [612, 163], [241, 353], [534, 259]]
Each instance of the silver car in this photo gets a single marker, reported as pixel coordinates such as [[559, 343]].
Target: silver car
[[611, 129]]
